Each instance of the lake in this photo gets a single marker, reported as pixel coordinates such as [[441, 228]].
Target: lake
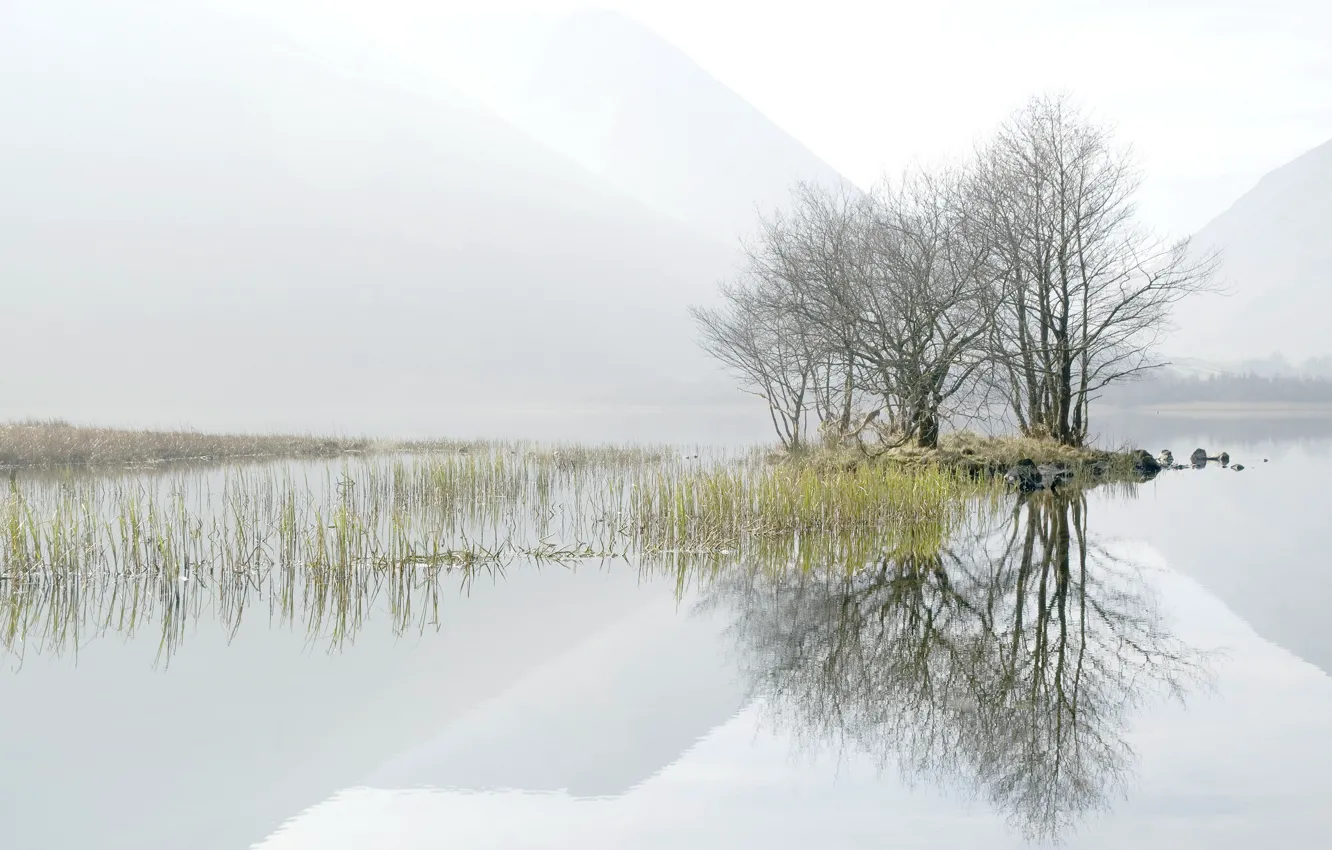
[[1140, 667]]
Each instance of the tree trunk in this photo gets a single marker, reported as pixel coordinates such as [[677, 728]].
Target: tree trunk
[[846, 397], [927, 436]]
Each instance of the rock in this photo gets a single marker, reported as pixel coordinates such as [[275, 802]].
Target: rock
[[1144, 463], [1053, 474], [1024, 475], [1055, 470], [1198, 458], [1239, 467], [1224, 458], [1166, 459]]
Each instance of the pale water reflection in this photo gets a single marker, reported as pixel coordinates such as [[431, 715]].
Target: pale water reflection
[[1103, 673], [1232, 771]]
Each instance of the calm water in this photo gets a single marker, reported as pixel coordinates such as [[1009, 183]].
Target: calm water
[[1172, 691]]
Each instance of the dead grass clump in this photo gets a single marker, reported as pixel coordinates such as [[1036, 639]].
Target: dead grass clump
[[970, 452], [1006, 451]]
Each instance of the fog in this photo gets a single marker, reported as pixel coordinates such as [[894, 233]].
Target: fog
[[1276, 256], [614, 96], [211, 219]]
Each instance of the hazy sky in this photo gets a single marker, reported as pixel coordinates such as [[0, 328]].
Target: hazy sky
[[1211, 93]]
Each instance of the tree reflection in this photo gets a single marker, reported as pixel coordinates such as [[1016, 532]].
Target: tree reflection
[[1006, 664]]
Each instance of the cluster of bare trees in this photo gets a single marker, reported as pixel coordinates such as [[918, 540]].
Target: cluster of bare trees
[[1017, 283]]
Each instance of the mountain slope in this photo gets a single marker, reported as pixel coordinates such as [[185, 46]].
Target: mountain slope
[[209, 221], [632, 107], [1277, 261]]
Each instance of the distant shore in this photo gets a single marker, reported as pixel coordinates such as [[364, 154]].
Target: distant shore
[[1226, 409], [52, 444]]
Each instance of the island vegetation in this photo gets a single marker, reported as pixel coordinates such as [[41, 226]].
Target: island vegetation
[[1014, 288]]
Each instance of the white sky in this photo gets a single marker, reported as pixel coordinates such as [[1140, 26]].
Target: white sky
[[1211, 93]]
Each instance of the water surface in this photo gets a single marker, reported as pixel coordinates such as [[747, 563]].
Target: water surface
[[1140, 667]]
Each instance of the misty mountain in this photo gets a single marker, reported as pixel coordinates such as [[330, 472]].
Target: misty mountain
[[630, 106], [1277, 261], [209, 220]]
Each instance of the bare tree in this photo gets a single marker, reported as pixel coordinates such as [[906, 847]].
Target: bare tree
[[761, 341], [1025, 273], [882, 296], [924, 308], [1085, 291], [814, 250]]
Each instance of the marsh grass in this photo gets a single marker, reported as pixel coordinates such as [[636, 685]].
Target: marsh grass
[[796, 508], [53, 444], [324, 543]]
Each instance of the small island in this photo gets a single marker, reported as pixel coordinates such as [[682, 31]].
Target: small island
[[1010, 289]]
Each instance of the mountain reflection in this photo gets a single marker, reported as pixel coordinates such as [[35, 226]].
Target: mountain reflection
[[1006, 665]]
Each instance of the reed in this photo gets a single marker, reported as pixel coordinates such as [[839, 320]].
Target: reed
[[725, 507], [324, 543]]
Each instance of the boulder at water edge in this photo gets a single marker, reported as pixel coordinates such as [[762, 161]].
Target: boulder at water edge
[[1144, 463], [1024, 475]]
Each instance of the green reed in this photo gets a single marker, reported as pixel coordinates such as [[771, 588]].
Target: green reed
[[725, 508]]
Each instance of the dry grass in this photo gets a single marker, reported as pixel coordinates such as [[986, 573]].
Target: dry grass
[[975, 453], [35, 444], [53, 444]]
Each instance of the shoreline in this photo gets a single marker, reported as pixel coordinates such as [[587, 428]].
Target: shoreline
[[29, 445], [35, 445], [995, 458], [1227, 410]]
